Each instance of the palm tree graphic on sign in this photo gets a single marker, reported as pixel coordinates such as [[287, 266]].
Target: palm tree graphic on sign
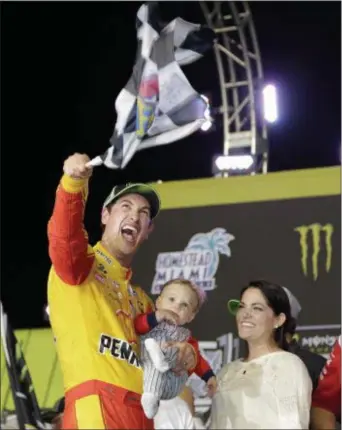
[[217, 242]]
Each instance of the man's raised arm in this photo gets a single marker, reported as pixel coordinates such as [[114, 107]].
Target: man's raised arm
[[68, 240]]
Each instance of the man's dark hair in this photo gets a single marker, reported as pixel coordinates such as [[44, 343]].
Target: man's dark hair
[[109, 208]]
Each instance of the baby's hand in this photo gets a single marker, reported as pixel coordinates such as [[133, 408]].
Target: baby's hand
[[212, 386], [166, 315]]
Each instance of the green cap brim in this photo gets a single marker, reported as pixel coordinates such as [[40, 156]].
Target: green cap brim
[[144, 190], [233, 306]]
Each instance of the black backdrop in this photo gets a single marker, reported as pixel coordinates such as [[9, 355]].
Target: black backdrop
[[296, 243], [266, 245]]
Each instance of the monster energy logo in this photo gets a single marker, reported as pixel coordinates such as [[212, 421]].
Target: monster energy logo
[[315, 231]]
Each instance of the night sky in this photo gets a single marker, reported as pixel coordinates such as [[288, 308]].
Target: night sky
[[62, 66]]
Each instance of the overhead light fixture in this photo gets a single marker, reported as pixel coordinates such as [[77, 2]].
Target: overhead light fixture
[[207, 115], [270, 103], [233, 164]]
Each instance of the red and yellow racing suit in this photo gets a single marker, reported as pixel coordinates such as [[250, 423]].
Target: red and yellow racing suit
[[92, 311], [328, 392]]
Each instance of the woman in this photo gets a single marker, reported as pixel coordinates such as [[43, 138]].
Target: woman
[[270, 388]]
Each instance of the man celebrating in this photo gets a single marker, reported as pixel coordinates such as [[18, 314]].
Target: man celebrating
[[93, 305]]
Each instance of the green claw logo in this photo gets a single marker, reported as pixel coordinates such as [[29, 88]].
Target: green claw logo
[[315, 232]]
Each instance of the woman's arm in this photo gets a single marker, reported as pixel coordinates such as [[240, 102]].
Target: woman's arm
[[293, 388], [304, 396]]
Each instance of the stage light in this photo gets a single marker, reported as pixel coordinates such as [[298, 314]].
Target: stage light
[[232, 163], [47, 310], [270, 103], [206, 125], [207, 115]]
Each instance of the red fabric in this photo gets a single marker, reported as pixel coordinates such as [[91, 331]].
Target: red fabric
[[202, 366], [141, 324], [68, 241], [328, 393], [69, 420], [121, 409]]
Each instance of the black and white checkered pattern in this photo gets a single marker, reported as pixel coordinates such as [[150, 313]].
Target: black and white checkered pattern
[[158, 105]]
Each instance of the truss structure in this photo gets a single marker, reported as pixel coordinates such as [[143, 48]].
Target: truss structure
[[241, 78]]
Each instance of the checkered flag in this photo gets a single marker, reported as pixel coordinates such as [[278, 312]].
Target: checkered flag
[[158, 105], [24, 397]]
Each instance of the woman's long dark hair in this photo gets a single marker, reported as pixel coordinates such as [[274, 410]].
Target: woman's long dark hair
[[278, 301]]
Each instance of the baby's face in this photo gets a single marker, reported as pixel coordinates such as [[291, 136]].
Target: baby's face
[[180, 299]]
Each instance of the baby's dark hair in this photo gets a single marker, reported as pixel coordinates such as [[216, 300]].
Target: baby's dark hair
[[201, 295]]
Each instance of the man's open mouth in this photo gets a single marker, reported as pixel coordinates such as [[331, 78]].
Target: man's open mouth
[[129, 233]]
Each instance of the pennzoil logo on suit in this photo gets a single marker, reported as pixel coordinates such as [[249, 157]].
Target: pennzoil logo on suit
[[119, 349], [316, 249]]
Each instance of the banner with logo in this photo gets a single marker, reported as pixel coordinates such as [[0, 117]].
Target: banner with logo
[[295, 243], [283, 228]]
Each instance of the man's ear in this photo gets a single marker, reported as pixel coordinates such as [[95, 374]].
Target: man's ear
[[281, 318], [150, 229], [104, 216]]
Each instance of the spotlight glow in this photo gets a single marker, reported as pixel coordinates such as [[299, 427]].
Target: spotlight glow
[[270, 103], [208, 120], [234, 162]]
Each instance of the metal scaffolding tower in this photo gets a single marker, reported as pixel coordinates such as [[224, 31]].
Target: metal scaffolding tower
[[241, 78]]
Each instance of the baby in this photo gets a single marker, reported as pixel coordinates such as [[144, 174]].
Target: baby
[[177, 305]]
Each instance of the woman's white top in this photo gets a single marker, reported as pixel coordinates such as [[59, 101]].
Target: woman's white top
[[175, 414], [269, 392]]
